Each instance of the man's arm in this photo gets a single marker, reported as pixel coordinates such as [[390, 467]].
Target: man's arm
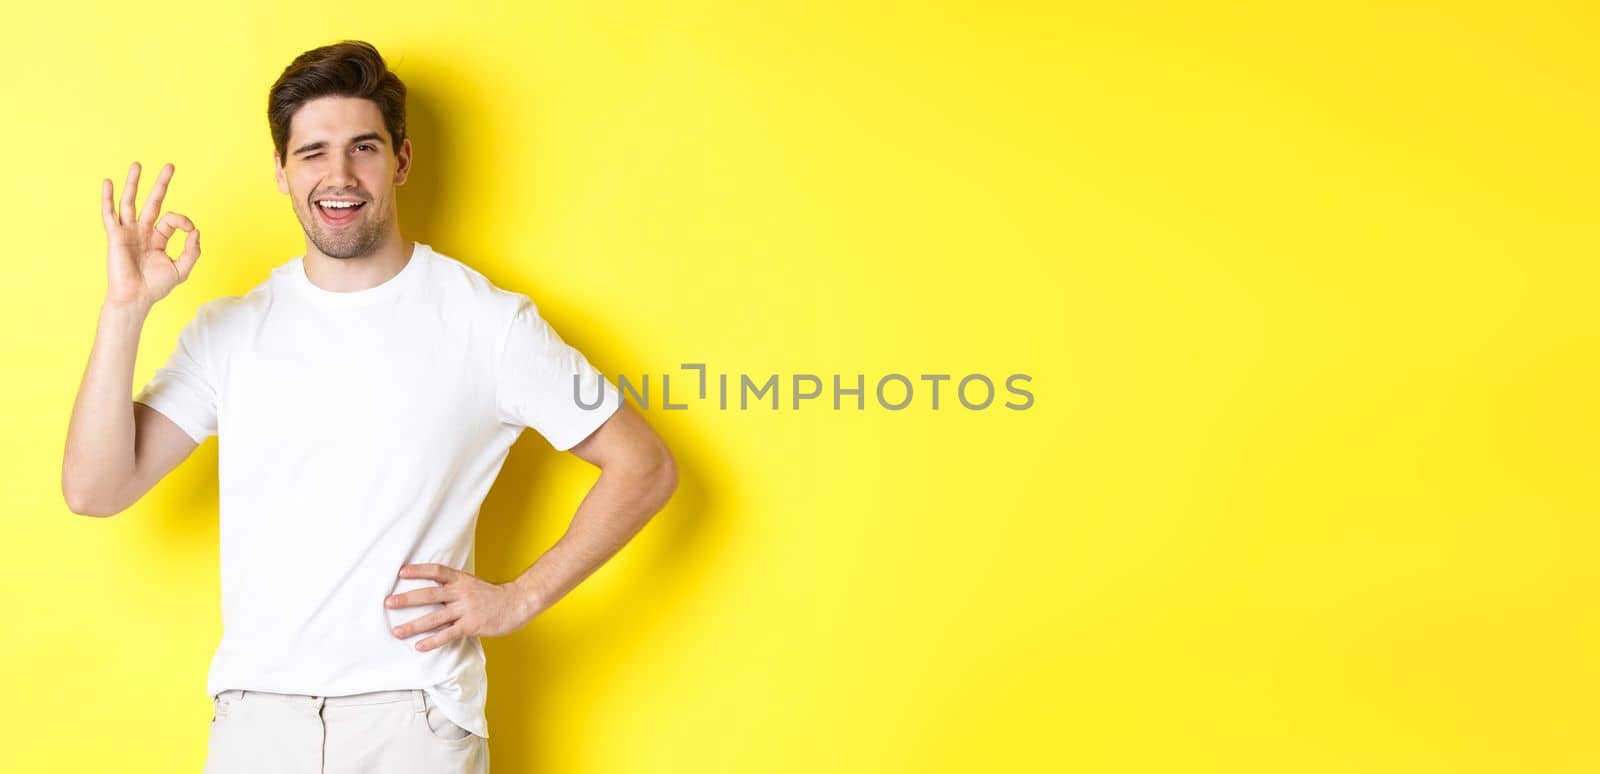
[[637, 477], [116, 449], [537, 384]]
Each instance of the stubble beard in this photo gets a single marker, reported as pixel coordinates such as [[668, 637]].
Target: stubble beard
[[353, 241]]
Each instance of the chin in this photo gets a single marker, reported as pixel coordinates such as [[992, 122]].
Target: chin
[[343, 250]]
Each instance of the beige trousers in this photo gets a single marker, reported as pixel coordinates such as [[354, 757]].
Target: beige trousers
[[402, 732]]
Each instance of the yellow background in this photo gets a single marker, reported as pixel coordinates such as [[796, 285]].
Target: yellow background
[[1306, 293]]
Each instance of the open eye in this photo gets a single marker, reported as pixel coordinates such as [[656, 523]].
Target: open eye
[[364, 145]]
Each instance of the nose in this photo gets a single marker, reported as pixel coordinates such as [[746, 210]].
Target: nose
[[340, 172]]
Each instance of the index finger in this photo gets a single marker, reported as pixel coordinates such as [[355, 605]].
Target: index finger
[[436, 572], [152, 203]]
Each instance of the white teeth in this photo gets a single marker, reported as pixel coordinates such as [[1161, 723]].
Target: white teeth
[[337, 205]]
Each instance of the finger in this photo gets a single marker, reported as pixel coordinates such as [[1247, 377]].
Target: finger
[[169, 223], [425, 596], [442, 638], [426, 623], [191, 254], [108, 212], [152, 204], [128, 190], [436, 572]]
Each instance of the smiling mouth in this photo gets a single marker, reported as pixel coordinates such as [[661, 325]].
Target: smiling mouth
[[338, 213]]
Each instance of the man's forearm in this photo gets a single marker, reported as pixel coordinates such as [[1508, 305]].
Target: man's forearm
[[620, 503], [100, 435]]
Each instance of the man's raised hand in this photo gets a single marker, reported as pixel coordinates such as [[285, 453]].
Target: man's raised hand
[[138, 269]]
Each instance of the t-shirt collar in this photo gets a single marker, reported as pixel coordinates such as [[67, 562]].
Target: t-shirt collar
[[386, 289]]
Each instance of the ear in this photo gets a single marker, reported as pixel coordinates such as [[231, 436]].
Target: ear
[[277, 171], [402, 167]]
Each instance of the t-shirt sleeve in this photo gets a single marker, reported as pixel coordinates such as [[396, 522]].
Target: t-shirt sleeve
[[184, 389], [546, 384]]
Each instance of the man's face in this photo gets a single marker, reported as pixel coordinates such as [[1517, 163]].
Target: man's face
[[341, 174]]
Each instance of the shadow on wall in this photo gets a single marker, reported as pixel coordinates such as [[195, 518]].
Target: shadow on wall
[[421, 198], [526, 669]]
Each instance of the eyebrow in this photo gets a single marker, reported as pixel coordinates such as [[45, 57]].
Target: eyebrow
[[320, 144]]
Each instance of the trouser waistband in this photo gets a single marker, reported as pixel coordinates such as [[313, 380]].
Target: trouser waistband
[[416, 696]]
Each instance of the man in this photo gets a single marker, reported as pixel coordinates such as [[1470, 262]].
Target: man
[[365, 396]]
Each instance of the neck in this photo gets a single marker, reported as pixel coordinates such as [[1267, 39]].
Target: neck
[[368, 270]]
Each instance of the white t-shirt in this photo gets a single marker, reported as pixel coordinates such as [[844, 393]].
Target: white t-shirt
[[358, 432]]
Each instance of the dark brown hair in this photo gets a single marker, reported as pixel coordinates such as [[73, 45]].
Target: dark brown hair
[[349, 68]]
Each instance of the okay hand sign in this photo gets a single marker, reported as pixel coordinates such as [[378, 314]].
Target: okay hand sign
[[138, 268]]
